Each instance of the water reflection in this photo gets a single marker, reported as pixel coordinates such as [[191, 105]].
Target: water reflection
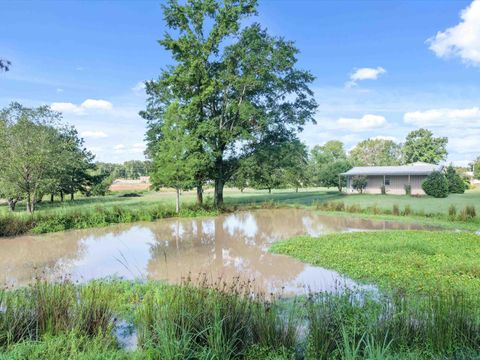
[[226, 246]]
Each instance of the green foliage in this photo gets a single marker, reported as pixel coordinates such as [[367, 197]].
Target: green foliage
[[376, 152], [408, 189], [329, 174], [421, 146], [443, 261], [235, 84], [436, 185], [359, 183], [456, 185]]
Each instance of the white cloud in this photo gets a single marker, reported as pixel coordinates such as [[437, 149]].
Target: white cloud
[[139, 147], [365, 74], [461, 40], [119, 147], [96, 104], [94, 134], [366, 122], [89, 104], [59, 90], [467, 117], [65, 107]]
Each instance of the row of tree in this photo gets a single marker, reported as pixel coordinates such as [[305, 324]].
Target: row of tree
[[132, 169], [40, 155]]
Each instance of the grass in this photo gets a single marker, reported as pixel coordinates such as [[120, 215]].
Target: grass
[[413, 261], [114, 208], [205, 320]]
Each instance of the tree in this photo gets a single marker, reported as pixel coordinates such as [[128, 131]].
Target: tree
[[359, 183], [5, 65], [174, 164], [456, 185], [421, 146], [331, 151], [376, 152], [295, 164], [29, 149], [436, 185], [234, 83], [330, 174], [476, 168]]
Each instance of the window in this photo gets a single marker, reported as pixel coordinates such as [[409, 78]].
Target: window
[[387, 181]]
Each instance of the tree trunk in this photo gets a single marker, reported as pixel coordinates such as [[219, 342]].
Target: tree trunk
[[11, 204], [296, 189], [61, 196], [199, 195], [177, 202], [269, 190], [30, 204], [72, 196], [218, 193], [241, 190], [52, 197]]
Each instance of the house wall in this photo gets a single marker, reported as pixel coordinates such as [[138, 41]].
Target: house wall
[[396, 187]]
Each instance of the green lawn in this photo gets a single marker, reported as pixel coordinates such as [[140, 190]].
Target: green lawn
[[416, 261], [307, 197]]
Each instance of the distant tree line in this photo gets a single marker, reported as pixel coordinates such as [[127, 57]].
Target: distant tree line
[[40, 155], [132, 169]]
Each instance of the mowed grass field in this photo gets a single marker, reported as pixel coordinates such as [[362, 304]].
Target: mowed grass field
[[307, 197]]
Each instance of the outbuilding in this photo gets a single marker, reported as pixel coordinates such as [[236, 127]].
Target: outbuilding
[[394, 178]]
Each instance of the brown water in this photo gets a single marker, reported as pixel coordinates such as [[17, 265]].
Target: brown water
[[225, 246]]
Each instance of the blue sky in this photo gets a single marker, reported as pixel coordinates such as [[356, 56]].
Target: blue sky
[[382, 68]]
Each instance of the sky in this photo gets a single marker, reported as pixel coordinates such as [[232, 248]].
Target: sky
[[382, 68]]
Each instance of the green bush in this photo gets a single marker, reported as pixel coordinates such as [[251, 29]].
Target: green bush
[[436, 185], [359, 183], [452, 212], [383, 190], [456, 185], [408, 189], [396, 210]]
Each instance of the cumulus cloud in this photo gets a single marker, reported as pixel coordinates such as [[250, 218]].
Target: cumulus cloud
[[366, 122], [461, 40], [365, 74], [89, 104], [444, 117], [93, 134]]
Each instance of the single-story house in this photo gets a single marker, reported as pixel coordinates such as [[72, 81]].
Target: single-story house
[[393, 177]]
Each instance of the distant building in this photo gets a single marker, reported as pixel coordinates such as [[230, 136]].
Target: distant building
[[393, 177]]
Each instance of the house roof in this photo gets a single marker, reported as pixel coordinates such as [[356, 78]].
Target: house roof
[[410, 169]]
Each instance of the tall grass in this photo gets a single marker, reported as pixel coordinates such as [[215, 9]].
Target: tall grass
[[216, 320], [98, 216]]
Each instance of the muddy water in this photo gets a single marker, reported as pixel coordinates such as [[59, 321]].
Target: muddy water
[[229, 246]]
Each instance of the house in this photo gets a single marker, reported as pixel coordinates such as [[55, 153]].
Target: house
[[393, 177]]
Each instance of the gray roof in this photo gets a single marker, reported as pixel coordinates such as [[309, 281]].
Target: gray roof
[[410, 169]]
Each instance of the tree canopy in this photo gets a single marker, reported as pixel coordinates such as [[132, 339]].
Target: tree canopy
[[234, 84], [376, 152], [421, 146]]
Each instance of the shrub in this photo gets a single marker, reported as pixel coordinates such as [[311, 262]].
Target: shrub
[[396, 210], [408, 189], [408, 210], [468, 213], [354, 208], [436, 185], [456, 185], [383, 190], [359, 183], [452, 212]]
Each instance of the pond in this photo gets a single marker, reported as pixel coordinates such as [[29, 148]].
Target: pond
[[229, 247]]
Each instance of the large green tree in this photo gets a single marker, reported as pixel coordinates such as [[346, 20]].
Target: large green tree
[[330, 174], [376, 152], [421, 146], [234, 83]]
